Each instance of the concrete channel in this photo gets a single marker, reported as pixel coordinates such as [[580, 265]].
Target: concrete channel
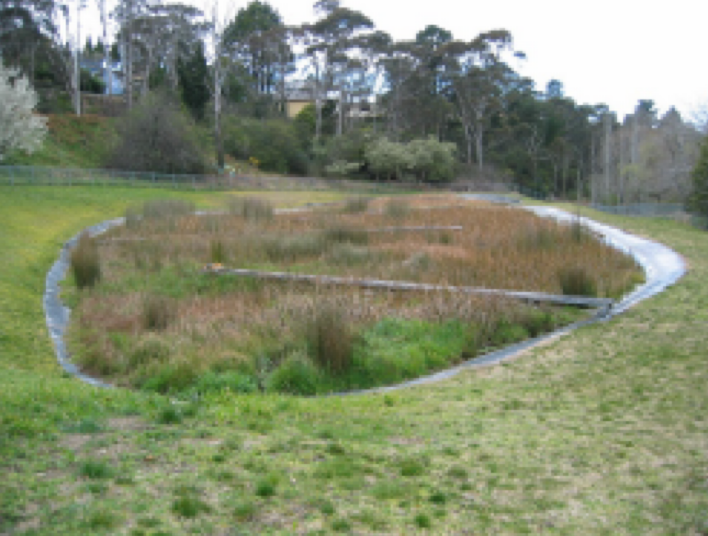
[[662, 267]]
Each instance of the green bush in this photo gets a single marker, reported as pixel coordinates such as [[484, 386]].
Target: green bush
[[168, 377], [395, 349], [296, 375], [85, 262], [236, 382], [158, 136], [508, 333], [273, 142]]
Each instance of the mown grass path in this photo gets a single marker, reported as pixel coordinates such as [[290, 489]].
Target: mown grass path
[[600, 432]]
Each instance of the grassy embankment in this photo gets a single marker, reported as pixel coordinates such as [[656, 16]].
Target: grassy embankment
[[600, 432]]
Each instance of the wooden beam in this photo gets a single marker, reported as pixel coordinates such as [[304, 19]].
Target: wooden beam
[[535, 297]]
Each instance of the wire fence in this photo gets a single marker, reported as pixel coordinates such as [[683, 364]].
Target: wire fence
[[52, 176], [675, 211]]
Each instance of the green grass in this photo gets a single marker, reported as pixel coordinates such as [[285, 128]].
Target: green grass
[[600, 432]]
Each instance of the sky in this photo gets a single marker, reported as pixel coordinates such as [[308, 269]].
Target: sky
[[606, 51]]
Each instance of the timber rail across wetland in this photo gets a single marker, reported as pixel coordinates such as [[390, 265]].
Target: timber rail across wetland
[[604, 304]]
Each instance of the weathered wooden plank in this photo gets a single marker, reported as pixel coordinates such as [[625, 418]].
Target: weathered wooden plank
[[536, 297]]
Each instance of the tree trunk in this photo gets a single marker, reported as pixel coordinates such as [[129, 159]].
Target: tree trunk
[[608, 154], [217, 116]]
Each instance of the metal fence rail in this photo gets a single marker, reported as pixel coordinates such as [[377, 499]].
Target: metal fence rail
[[36, 175], [675, 211], [53, 176], [643, 209]]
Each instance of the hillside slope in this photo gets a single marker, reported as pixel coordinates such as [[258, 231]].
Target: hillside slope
[[601, 432]]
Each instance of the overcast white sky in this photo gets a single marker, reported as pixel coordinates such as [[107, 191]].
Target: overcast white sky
[[606, 51]]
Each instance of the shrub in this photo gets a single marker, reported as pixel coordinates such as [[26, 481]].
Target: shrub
[[86, 262], [169, 377], [296, 375], [330, 338], [423, 521], [158, 312], [266, 486], [273, 142], [577, 281], [213, 382], [157, 136], [507, 333]]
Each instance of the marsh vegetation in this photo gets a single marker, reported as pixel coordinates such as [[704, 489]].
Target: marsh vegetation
[[157, 320]]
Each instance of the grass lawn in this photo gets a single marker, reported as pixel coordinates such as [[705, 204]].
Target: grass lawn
[[600, 432]]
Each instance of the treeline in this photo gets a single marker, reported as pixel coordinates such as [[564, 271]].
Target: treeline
[[432, 108]]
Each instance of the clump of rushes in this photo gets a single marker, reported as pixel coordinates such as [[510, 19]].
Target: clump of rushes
[[340, 234], [250, 208], [218, 255], [355, 205], [330, 338], [577, 281], [167, 208], [397, 209], [158, 312], [86, 262]]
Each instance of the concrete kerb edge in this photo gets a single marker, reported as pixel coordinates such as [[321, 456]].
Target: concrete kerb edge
[[663, 270]]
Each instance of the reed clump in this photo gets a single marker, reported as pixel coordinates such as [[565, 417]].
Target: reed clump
[[86, 262]]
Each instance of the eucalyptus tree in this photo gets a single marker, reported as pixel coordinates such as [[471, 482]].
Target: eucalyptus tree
[[431, 105], [27, 29], [400, 64], [329, 43], [126, 13], [476, 75], [247, 37]]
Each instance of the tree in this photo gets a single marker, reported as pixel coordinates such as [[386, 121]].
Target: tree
[[158, 136], [329, 41], [193, 75], [20, 129], [245, 37], [698, 200], [476, 79]]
